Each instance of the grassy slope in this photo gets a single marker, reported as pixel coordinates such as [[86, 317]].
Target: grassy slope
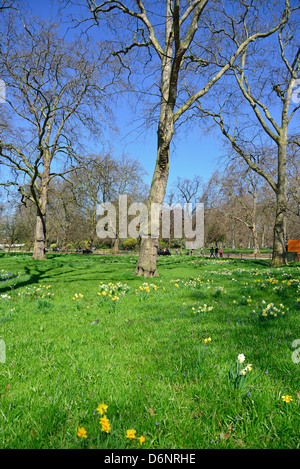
[[146, 356]]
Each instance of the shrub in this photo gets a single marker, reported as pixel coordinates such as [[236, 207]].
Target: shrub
[[130, 243]]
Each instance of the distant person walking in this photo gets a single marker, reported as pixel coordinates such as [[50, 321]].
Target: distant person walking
[[221, 252], [212, 252], [216, 252]]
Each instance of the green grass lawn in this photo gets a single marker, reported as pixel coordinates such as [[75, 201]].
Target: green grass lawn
[[79, 331]]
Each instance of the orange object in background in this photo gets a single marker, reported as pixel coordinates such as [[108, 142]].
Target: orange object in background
[[293, 245]]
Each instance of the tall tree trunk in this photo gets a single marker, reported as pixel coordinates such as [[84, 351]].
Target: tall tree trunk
[[147, 261], [254, 230], [115, 245], [93, 232], [279, 235], [255, 241], [39, 250], [65, 235], [67, 223], [263, 237], [170, 65], [232, 235]]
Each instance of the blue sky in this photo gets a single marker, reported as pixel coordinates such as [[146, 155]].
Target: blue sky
[[191, 154]]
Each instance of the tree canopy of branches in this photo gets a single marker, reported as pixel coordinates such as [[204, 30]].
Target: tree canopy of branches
[[107, 179], [55, 88], [178, 45], [264, 88]]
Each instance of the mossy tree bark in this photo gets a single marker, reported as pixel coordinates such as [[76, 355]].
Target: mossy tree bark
[[41, 200], [279, 236]]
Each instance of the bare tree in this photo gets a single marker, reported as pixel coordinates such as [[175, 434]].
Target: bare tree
[[242, 189], [107, 179], [61, 212], [54, 87], [180, 48], [183, 191], [188, 190], [93, 187], [129, 182], [266, 80]]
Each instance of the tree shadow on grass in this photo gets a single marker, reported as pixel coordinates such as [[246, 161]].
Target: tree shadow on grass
[[36, 274]]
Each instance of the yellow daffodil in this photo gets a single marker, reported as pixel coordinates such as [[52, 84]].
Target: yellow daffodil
[[286, 398], [105, 424], [142, 439], [102, 408], [82, 433], [130, 434]]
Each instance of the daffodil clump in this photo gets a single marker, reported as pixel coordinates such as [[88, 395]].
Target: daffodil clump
[[272, 280], [104, 422], [5, 275], [194, 282], [202, 309], [280, 287], [270, 311], [114, 289], [106, 295], [42, 291], [5, 297], [148, 287], [286, 285], [207, 340], [238, 373], [175, 282], [111, 293], [77, 297], [106, 426], [145, 289]]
